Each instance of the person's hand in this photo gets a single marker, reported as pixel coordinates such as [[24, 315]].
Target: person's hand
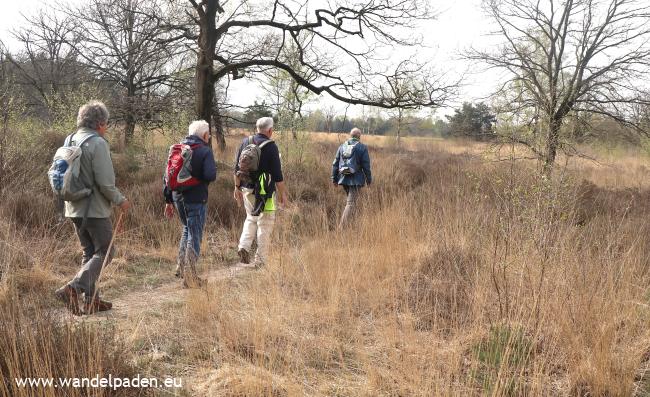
[[124, 207], [169, 211], [238, 196], [283, 200]]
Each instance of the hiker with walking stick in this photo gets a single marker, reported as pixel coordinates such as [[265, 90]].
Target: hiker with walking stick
[[86, 181]]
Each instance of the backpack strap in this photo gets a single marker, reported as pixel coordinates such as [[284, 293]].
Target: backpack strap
[[251, 140], [86, 139], [68, 139], [261, 145]]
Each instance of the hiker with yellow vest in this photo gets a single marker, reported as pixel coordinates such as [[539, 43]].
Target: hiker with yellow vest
[[258, 174]]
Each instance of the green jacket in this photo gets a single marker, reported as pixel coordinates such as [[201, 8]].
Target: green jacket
[[96, 172]]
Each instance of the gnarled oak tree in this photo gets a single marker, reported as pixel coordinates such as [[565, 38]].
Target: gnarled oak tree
[[345, 49]]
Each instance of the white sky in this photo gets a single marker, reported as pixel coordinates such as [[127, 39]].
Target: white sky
[[461, 24]]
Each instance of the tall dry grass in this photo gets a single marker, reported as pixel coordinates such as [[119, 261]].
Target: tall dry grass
[[39, 343], [460, 277]]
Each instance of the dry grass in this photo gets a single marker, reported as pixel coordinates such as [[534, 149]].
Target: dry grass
[[36, 343], [462, 276]]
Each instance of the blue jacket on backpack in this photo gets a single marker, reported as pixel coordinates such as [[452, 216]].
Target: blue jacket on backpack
[[360, 161]]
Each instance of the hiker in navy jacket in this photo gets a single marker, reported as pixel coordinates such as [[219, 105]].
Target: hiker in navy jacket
[[191, 204], [351, 169]]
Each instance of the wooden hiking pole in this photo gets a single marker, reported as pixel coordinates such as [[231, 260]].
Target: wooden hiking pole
[[108, 253]]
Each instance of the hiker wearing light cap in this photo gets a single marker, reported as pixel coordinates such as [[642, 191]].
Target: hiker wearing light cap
[[351, 169], [91, 215], [258, 173]]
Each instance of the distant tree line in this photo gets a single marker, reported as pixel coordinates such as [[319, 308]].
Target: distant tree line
[[475, 121]]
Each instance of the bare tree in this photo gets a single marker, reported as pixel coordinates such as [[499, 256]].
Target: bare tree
[[47, 67], [568, 56], [330, 113], [402, 87], [126, 43], [10, 108], [5, 98], [341, 48], [287, 96]]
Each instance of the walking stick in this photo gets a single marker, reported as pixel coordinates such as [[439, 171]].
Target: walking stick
[[108, 254]]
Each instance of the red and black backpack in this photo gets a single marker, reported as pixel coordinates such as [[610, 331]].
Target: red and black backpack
[[178, 175]]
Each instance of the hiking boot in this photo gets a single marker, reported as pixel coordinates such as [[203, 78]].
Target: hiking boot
[[194, 282], [97, 305], [179, 271], [69, 297], [244, 256]]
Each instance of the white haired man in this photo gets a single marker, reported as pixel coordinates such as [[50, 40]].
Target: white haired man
[[91, 215], [351, 169], [258, 193], [191, 203]]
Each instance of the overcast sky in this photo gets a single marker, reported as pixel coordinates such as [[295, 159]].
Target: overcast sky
[[461, 24]]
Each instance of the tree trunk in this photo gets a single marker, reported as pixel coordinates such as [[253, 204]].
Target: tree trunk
[[129, 117], [219, 130], [3, 143], [552, 143], [399, 127], [205, 71], [129, 122], [204, 86], [129, 128]]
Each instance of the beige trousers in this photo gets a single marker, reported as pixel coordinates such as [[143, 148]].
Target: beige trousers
[[256, 227]]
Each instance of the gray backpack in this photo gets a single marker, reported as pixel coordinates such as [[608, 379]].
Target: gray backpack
[[249, 160], [348, 163], [64, 172]]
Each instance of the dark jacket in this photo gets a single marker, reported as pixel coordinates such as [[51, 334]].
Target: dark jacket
[[269, 161], [363, 174], [203, 168]]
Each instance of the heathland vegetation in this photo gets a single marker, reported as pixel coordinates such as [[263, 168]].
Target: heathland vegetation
[[465, 275], [499, 251]]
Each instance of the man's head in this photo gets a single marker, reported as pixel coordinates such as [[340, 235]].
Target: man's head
[[199, 128], [93, 115], [265, 126], [355, 133]]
